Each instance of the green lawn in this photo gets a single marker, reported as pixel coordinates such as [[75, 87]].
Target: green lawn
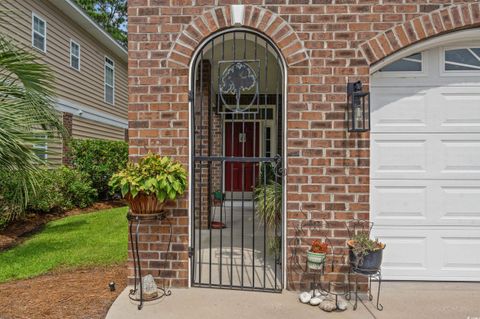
[[98, 238]]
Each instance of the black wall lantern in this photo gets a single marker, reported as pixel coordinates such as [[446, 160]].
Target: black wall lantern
[[358, 108]]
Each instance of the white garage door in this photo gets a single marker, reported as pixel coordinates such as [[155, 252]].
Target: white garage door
[[425, 164]]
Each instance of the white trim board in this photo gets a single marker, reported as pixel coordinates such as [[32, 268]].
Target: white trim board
[[90, 113]]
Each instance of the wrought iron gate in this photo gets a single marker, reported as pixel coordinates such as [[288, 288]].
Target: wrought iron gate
[[237, 94]]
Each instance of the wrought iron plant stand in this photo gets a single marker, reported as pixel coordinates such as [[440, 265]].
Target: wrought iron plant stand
[[333, 289], [372, 274], [134, 239], [353, 227]]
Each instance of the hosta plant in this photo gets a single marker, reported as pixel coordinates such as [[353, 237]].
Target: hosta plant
[[150, 183]]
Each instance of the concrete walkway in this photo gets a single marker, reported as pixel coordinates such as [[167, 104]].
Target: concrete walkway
[[402, 300]]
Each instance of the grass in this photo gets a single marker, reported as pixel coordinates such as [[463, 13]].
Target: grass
[[93, 239]]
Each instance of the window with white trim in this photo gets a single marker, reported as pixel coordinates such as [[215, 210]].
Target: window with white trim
[[109, 81], [411, 63], [39, 33], [462, 59], [41, 148], [75, 55]]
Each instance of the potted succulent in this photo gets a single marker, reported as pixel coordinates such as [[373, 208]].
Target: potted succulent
[[150, 183], [365, 254], [316, 255]]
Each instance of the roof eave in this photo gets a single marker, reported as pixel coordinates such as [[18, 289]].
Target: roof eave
[[69, 8]]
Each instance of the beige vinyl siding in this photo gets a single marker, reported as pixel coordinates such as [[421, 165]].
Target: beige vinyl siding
[[55, 149], [85, 87], [86, 129]]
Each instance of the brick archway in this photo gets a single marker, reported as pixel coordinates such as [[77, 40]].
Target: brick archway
[[438, 22], [256, 18]]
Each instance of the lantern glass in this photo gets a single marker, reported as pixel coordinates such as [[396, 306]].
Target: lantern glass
[[358, 108]]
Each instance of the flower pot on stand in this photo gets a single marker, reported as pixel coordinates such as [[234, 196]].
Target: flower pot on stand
[[144, 204], [315, 260], [368, 263]]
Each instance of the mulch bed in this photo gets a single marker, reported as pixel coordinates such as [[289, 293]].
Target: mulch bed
[[20, 230], [77, 294]]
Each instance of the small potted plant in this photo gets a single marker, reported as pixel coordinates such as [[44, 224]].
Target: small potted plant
[[150, 183], [365, 254], [316, 255]]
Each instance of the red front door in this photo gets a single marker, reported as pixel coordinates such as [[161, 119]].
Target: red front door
[[244, 143]]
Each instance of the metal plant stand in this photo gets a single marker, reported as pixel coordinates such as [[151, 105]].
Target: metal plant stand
[[375, 275], [162, 290], [354, 227]]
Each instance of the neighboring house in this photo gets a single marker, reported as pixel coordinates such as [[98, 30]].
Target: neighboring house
[[89, 66], [231, 89]]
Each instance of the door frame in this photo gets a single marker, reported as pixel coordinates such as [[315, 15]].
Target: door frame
[[191, 80]]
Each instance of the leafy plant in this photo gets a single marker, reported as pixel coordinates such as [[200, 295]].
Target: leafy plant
[[319, 247], [268, 206], [27, 117], [153, 174], [268, 203], [63, 189], [362, 245], [99, 159]]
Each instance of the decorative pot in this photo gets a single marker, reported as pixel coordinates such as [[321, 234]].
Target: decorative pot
[[144, 204], [315, 260], [367, 264]]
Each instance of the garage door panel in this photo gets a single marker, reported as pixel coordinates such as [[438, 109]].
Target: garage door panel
[[394, 202], [458, 109], [425, 156], [399, 155], [461, 253], [425, 202], [393, 109], [426, 110], [460, 203], [461, 154], [406, 252], [431, 253]]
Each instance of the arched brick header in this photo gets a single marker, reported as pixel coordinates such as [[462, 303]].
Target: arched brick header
[[256, 18], [453, 18]]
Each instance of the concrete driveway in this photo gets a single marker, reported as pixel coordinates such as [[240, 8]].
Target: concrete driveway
[[405, 300]]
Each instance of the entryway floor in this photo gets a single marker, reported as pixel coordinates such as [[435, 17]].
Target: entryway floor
[[415, 300], [238, 254]]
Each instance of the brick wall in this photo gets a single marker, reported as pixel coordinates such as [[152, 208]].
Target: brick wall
[[326, 44]]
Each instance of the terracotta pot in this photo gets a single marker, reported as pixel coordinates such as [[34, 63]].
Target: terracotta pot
[[144, 204]]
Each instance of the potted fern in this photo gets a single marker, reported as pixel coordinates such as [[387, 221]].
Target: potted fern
[[268, 207], [317, 254], [150, 183], [365, 254]]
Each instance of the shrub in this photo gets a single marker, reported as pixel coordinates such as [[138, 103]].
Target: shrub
[[10, 207], [56, 190], [62, 189], [99, 159]]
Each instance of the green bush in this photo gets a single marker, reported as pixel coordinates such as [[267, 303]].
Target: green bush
[[56, 190], [62, 189], [10, 208], [99, 159]]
